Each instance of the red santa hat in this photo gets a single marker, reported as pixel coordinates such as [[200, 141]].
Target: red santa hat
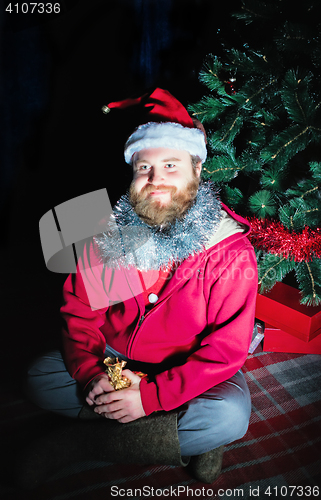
[[166, 124]]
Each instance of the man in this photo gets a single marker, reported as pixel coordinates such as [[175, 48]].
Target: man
[[169, 287]]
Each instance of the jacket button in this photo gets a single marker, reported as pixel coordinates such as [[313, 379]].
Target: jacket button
[[152, 297]]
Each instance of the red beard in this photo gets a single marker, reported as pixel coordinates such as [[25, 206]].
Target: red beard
[[153, 213]]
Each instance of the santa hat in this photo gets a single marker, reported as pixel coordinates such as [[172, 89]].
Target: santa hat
[[166, 123]]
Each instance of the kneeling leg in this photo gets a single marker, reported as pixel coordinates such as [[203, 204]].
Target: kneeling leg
[[215, 418]]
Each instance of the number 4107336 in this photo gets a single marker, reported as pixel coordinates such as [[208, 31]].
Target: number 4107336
[[34, 7]]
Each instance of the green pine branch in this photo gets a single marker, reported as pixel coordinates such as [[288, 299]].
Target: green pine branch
[[308, 275], [271, 269], [263, 204], [286, 144]]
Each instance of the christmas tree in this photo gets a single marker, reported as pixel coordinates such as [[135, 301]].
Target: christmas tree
[[263, 117]]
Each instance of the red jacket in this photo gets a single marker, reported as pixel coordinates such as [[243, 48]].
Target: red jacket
[[196, 336]]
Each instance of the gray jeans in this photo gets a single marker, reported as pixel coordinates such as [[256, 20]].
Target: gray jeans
[[218, 416]]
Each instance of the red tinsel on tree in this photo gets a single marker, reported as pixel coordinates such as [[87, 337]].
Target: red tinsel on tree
[[273, 237]]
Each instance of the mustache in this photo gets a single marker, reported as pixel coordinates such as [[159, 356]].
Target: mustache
[[149, 188]]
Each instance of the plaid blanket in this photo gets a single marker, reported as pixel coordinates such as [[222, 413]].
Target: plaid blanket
[[279, 457]]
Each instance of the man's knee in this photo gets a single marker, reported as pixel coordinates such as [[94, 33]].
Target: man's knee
[[236, 411], [231, 409], [45, 374], [43, 367], [217, 417]]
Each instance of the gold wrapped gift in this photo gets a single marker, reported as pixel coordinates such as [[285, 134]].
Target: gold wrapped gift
[[114, 372]]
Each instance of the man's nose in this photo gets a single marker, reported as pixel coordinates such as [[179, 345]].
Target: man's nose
[[156, 176]]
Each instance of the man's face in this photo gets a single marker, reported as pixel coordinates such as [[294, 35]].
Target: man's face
[[164, 184]]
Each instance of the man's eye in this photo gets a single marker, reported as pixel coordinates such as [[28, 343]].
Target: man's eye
[[143, 167], [170, 165]]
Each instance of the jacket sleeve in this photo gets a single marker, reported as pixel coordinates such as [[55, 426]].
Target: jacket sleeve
[[85, 303], [230, 292]]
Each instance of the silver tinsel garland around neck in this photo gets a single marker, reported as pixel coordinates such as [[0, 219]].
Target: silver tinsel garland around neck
[[130, 242]]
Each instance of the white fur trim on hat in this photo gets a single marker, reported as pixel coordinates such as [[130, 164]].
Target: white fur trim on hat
[[166, 135]]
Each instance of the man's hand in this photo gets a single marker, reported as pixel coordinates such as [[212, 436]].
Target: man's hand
[[124, 405], [98, 386]]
